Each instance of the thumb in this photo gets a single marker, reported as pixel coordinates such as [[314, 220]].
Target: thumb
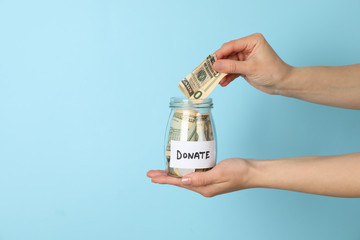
[[231, 66], [197, 179]]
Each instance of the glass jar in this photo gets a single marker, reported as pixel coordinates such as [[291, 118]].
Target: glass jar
[[190, 138]]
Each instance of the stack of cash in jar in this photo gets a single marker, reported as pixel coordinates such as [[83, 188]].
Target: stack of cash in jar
[[188, 125]]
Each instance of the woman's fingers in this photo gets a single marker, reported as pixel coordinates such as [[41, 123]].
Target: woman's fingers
[[232, 66], [201, 183], [165, 179], [231, 47], [228, 79], [245, 44], [153, 173]]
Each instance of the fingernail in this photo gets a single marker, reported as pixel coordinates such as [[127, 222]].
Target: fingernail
[[186, 181], [218, 66], [222, 82]]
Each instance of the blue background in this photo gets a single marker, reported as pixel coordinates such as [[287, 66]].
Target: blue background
[[84, 93]]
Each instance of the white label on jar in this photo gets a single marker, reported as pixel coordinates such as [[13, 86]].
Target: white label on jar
[[192, 154]]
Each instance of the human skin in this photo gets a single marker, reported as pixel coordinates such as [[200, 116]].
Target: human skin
[[253, 58], [337, 176]]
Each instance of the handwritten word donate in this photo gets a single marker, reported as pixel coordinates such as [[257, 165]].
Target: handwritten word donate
[[194, 155]]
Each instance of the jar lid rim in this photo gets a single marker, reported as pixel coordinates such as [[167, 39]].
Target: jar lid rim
[[185, 102]]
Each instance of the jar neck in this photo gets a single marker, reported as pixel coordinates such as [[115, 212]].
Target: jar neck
[[191, 103]]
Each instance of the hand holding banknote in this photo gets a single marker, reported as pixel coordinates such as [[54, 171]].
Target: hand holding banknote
[[252, 58]]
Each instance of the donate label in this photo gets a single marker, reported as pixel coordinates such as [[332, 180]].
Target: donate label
[[192, 154]]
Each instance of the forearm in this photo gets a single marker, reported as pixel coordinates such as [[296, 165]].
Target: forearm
[[333, 86], [324, 175]]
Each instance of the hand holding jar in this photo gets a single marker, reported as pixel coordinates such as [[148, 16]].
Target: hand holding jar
[[227, 176]]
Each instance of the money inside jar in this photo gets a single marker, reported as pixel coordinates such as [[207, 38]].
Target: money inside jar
[[190, 145]]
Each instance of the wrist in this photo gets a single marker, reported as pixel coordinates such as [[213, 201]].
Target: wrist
[[261, 173], [286, 78], [255, 174]]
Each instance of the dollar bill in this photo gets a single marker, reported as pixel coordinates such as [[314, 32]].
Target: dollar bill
[[182, 128], [204, 131], [204, 127], [202, 80], [188, 125]]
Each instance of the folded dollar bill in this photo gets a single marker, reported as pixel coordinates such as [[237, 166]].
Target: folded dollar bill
[[202, 80]]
